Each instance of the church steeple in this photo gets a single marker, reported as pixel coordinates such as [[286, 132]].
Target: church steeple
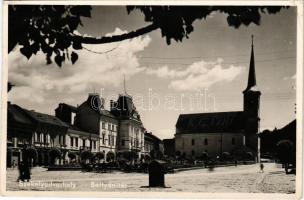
[[251, 78], [251, 94]]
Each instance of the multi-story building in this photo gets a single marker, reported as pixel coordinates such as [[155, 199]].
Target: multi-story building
[[75, 134], [131, 129], [153, 145], [41, 136]]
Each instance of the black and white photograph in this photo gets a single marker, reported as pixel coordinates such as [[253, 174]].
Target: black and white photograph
[[151, 98]]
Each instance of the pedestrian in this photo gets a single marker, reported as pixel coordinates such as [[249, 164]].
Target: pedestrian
[[262, 167], [27, 172], [14, 164], [21, 171]]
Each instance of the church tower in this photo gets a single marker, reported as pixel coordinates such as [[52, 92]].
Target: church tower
[[251, 94], [252, 106]]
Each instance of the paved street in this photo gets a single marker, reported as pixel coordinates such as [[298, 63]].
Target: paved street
[[223, 179]]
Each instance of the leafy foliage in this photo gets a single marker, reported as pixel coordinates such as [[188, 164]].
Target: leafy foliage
[[176, 22], [46, 28], [49, 28]]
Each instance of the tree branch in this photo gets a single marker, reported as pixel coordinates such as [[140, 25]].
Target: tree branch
[[115, 38]]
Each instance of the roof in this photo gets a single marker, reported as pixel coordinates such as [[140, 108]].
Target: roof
[[16, 114], [211, 122], [251, 77], [172, 140], [106, 113], [291, 126], [19, 117], [125, 108], [152, 137], [72, 108], [96, 103], [288, 131], [45, 118]]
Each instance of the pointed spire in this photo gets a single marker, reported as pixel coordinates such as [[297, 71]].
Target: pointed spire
[[251, 77], [124, 84]]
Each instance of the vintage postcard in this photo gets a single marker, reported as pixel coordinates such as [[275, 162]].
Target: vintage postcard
[[137, 99]]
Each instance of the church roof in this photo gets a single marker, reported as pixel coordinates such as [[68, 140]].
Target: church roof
[[217, 122]]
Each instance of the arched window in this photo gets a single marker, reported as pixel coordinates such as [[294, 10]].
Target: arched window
[[206, 141]]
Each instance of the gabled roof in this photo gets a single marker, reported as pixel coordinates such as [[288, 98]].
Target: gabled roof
[[217, 122]]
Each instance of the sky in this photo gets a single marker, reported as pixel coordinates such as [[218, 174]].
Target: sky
[[205, 73]]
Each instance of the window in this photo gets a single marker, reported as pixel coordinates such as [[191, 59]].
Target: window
[[109, 126], [61, 139], [206, 142], [103, 138], [109, 139], [38, 137], [112, 127], [48, 138], [20, 141], [41, 137], [233, 141], [94, 144], [103, 125], [72, 141], [73, 115], [76, 141], [123, 142], [193, 142], [83, 142], [112, 140], [193, 152]]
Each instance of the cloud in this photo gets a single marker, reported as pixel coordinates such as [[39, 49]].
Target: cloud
[[164, 133], [33, 78], [199, 75]]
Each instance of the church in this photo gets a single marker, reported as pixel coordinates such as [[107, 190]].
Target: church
[[218, 133]]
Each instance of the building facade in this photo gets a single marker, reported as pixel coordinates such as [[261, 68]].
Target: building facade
[[169, 147], [79, 134], [153, 146], [216, 133]]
